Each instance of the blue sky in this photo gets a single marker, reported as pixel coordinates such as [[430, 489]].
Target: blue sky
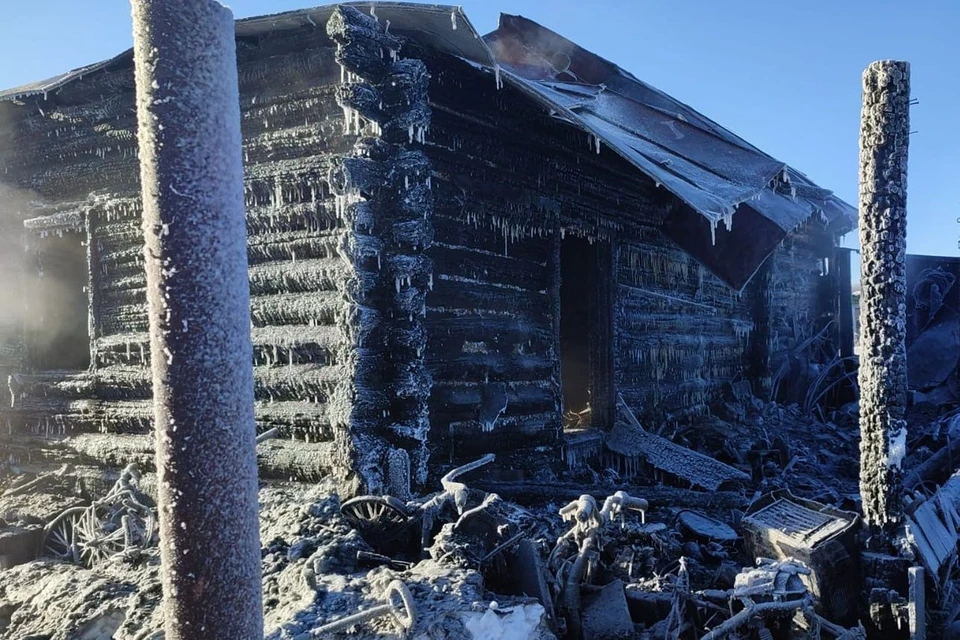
[[785, 76]]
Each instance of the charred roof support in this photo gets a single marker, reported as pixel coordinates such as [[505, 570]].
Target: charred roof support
[[884, 136], [188, 111]]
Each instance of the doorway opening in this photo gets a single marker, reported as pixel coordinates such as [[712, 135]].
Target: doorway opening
[[59, 337], [586, 333]]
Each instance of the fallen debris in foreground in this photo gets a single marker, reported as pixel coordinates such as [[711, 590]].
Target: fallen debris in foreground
[[775, 555]]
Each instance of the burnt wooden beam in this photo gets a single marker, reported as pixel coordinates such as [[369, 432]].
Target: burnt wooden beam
[[384, 201], [884, 139]]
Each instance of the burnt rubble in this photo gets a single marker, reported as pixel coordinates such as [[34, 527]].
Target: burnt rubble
[[774, 552]]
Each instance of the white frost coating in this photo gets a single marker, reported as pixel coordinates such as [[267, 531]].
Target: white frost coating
[[898, 449], [188, 113], [522, 623]]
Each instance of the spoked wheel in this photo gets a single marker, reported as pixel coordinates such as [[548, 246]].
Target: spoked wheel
[[378, 519], [100, 535], [85, 535], [60, 539]]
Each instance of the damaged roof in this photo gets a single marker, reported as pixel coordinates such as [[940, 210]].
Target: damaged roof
[[738, 203]]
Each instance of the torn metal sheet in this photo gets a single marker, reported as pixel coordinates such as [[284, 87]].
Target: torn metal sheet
[[629, 439]]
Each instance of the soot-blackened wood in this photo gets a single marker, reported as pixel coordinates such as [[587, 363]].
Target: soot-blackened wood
[[884, 138], [188, 111], [385, 202]]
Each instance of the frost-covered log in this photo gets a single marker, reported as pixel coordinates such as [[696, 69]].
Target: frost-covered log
[[884, 135], [385, 202], [188, 111]]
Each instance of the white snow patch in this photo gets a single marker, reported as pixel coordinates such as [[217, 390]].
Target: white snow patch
[[898, 449], [521, 623]]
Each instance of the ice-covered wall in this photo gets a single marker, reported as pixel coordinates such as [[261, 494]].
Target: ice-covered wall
[[78, 148], [405, 214], [384, 200], [510, 182], [683, 334]]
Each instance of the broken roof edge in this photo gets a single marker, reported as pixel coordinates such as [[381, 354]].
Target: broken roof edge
[[414, 20], [55, 83], [254, 26], [541, 47]]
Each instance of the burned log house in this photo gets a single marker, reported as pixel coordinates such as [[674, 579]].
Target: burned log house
[[454, 241]]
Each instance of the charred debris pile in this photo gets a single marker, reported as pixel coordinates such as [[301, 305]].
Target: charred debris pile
[[743, 525]]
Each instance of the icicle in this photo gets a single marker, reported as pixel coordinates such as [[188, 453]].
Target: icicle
[[496, 75], [453, 19]]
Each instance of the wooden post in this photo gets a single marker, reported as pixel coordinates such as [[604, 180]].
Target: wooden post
[[917, 603], [191, 168], [884, 133], [845, 305]]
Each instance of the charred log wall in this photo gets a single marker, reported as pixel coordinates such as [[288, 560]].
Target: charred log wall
[[803, 305], [338, 218], [684, 335], [384, 197], [79, 147], [511, 183], [472, 213], [492, 315]]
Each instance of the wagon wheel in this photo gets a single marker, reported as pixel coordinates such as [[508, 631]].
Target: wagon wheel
[[60, 536], [378, 519], [99, 535]]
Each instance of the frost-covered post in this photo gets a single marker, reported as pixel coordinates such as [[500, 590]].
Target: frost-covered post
[[188, 113], [884, 134]]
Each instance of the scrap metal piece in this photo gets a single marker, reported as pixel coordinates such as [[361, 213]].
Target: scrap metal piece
[[404, 612], [629, 439], [380, 520], [782, 526], [118, 523]]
